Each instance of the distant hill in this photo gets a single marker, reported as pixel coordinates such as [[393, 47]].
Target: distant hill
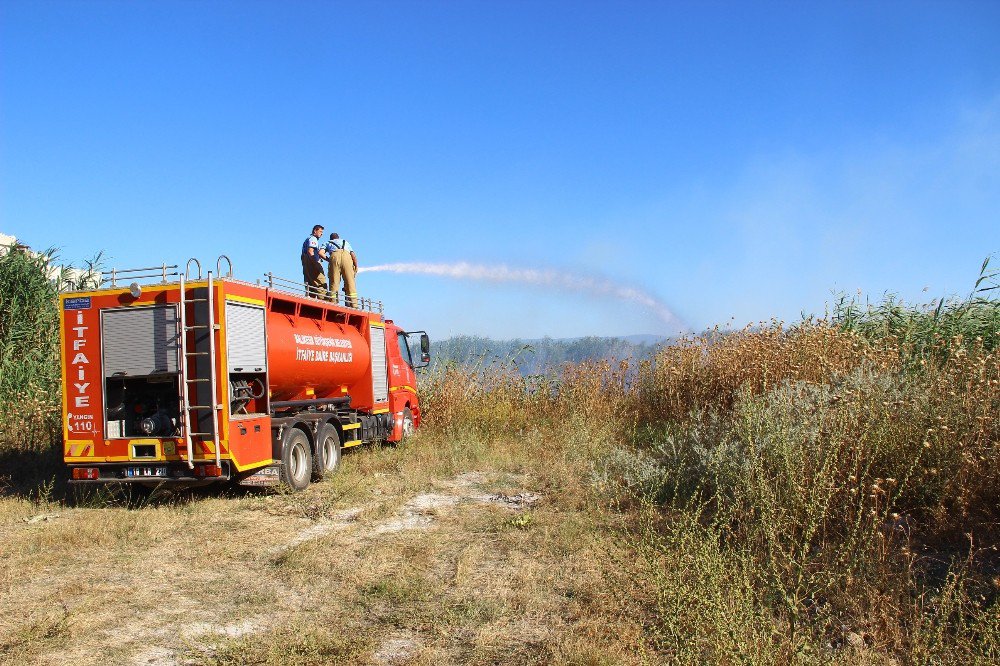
[[533, 356]]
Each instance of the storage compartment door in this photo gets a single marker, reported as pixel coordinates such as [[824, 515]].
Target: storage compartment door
[[140, 341], [246, 345], [380, 377]]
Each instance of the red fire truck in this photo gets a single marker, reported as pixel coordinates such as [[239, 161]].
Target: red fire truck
[[173, 378]]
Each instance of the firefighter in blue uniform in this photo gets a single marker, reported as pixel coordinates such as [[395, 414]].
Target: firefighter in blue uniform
[[312, 264]]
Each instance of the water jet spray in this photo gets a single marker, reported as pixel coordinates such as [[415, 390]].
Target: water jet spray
[[548, 277]]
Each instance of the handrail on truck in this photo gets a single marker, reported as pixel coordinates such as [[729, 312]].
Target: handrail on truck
[[136, 274], [275, 282], [218, 266], [187, 268], [272, 281]]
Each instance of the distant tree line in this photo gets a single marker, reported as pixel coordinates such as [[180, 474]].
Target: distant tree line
[[536, 356]]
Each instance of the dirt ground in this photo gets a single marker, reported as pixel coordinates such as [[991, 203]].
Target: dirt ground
[[405, 556]]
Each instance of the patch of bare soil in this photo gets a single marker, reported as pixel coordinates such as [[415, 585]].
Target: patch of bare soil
[[396, 649]]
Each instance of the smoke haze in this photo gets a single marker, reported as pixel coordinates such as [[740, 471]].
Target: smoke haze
[[549, 278]]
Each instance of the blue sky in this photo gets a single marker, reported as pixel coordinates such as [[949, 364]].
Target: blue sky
[[740, 160]]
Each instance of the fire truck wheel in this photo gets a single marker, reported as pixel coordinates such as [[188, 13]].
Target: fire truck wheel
[[327, 456], [296, 459], [408, 426]]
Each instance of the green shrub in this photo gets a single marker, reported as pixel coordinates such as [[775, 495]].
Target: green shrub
[[30, 392], [29, 329], [932, 330]]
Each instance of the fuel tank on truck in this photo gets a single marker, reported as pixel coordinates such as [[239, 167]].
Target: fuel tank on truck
[[314, 358]]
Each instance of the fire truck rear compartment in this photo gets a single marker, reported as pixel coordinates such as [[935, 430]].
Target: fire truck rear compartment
[[142, 406]]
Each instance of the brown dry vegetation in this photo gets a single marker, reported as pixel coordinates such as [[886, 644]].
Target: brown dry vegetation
[[826, 493], [452, 549], [848, 507], [803, 494]]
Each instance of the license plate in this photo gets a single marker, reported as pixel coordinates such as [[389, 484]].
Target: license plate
[[141, 472], [267, 476]]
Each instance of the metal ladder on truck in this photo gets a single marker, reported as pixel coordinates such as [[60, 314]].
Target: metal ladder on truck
[[187, 409]]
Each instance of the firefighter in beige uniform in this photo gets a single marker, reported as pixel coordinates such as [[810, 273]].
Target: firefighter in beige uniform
[[343, 264], [312, 265]]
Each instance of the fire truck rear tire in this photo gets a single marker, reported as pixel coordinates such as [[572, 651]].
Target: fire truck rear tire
[[327, 456], [296, 459]]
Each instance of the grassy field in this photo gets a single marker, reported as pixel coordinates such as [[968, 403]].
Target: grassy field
[[822, 493], [444, 550]]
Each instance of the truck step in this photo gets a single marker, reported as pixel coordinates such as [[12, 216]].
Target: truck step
[[196, 354]]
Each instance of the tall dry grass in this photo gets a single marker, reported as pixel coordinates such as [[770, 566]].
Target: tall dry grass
[[849, 506], [811, 493]]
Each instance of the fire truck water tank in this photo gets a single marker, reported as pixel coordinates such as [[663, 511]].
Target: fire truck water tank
[[306, 353]]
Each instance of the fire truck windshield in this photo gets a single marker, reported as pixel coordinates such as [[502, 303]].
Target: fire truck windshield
[[404, 348]]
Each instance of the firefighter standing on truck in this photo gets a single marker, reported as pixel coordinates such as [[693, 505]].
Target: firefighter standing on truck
[[312, 264], [343, 264]]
